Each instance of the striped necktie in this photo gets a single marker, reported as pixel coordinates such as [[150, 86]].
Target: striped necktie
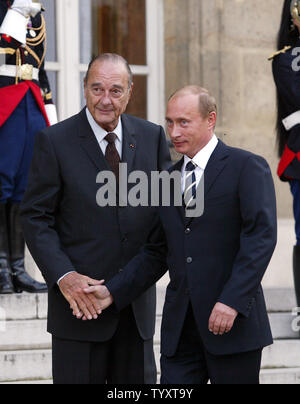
[[190, 185]]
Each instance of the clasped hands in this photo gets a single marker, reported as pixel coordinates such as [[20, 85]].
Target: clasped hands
[[88, 298]]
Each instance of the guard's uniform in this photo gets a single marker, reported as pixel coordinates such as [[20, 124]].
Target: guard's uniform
[[22, 111], [24, 97], [286, 71]]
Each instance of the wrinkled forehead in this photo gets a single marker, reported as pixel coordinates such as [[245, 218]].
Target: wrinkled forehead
[[108, 72]]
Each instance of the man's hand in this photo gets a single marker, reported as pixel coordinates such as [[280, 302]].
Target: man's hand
[[222, 319], [102, 294], [26, 7], [82, 304]]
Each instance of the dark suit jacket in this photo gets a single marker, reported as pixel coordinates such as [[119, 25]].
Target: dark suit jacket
[[218, 257], [66, 230]]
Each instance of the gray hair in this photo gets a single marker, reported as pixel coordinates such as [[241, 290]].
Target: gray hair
[[111, 57]]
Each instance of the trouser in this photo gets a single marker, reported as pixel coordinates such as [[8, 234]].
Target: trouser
[[295, 188], [125, 359], [193, 364], [17, 137]]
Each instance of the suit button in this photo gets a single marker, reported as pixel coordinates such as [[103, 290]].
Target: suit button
[[189, 260], [187, 231], [121, 270]]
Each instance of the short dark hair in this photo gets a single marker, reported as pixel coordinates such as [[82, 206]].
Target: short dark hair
[[110, 57]]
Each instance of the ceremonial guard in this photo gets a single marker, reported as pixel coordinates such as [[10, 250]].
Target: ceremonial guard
[[286, 70], [25, 108]]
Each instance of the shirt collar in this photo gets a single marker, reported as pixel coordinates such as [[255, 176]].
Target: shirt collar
[[202, 157], [101, 133]]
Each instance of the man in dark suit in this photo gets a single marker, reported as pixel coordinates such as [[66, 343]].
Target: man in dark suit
[[215, 322], [75, 242]]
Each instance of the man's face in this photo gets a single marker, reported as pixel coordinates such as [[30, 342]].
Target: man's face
[[107, 93], [188, 130]]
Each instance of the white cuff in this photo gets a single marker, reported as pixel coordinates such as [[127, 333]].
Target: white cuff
[[15, 25], [51, 113], [60, 279], [292, 120]]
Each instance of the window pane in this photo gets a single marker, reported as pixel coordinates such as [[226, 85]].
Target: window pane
[[117, 26], [85, 12], [50, 17], [138, 103]]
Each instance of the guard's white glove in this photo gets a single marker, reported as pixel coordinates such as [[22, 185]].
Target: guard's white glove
[[26, 7], [51, 113]]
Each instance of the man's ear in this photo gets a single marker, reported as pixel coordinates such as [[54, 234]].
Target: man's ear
[[131, 90], [212, 120]]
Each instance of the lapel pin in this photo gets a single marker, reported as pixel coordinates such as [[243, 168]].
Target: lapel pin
[[132, 146]]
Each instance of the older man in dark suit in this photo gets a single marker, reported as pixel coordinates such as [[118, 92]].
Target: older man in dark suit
[[75, 242], [215, 322]]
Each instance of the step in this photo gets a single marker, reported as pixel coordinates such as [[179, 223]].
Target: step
[[267, 377], [24, 306], [30, 382], [280, 299], [25, 365], [283, 327], [34, 367], [25, 335], [280, 376], [282, 354]]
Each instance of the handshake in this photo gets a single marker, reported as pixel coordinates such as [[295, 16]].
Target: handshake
[[27, 7], [87, 297]]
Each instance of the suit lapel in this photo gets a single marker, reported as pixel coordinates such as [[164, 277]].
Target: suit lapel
[[129, 146], [215, 166], [90, 144]]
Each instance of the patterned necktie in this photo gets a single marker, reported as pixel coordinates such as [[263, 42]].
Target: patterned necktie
[[190, 185], [112, 155]]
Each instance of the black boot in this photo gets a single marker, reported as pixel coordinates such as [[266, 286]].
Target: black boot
[[22, 281], [296, 264], [6, 285]]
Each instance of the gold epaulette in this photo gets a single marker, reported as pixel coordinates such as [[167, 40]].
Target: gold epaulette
[[284, 50], [7, 51]]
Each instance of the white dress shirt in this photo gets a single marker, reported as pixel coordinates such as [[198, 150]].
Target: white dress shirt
[[200, 160], [100, 134]]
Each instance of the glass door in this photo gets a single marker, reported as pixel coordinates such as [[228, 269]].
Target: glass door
[[80, 29]]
